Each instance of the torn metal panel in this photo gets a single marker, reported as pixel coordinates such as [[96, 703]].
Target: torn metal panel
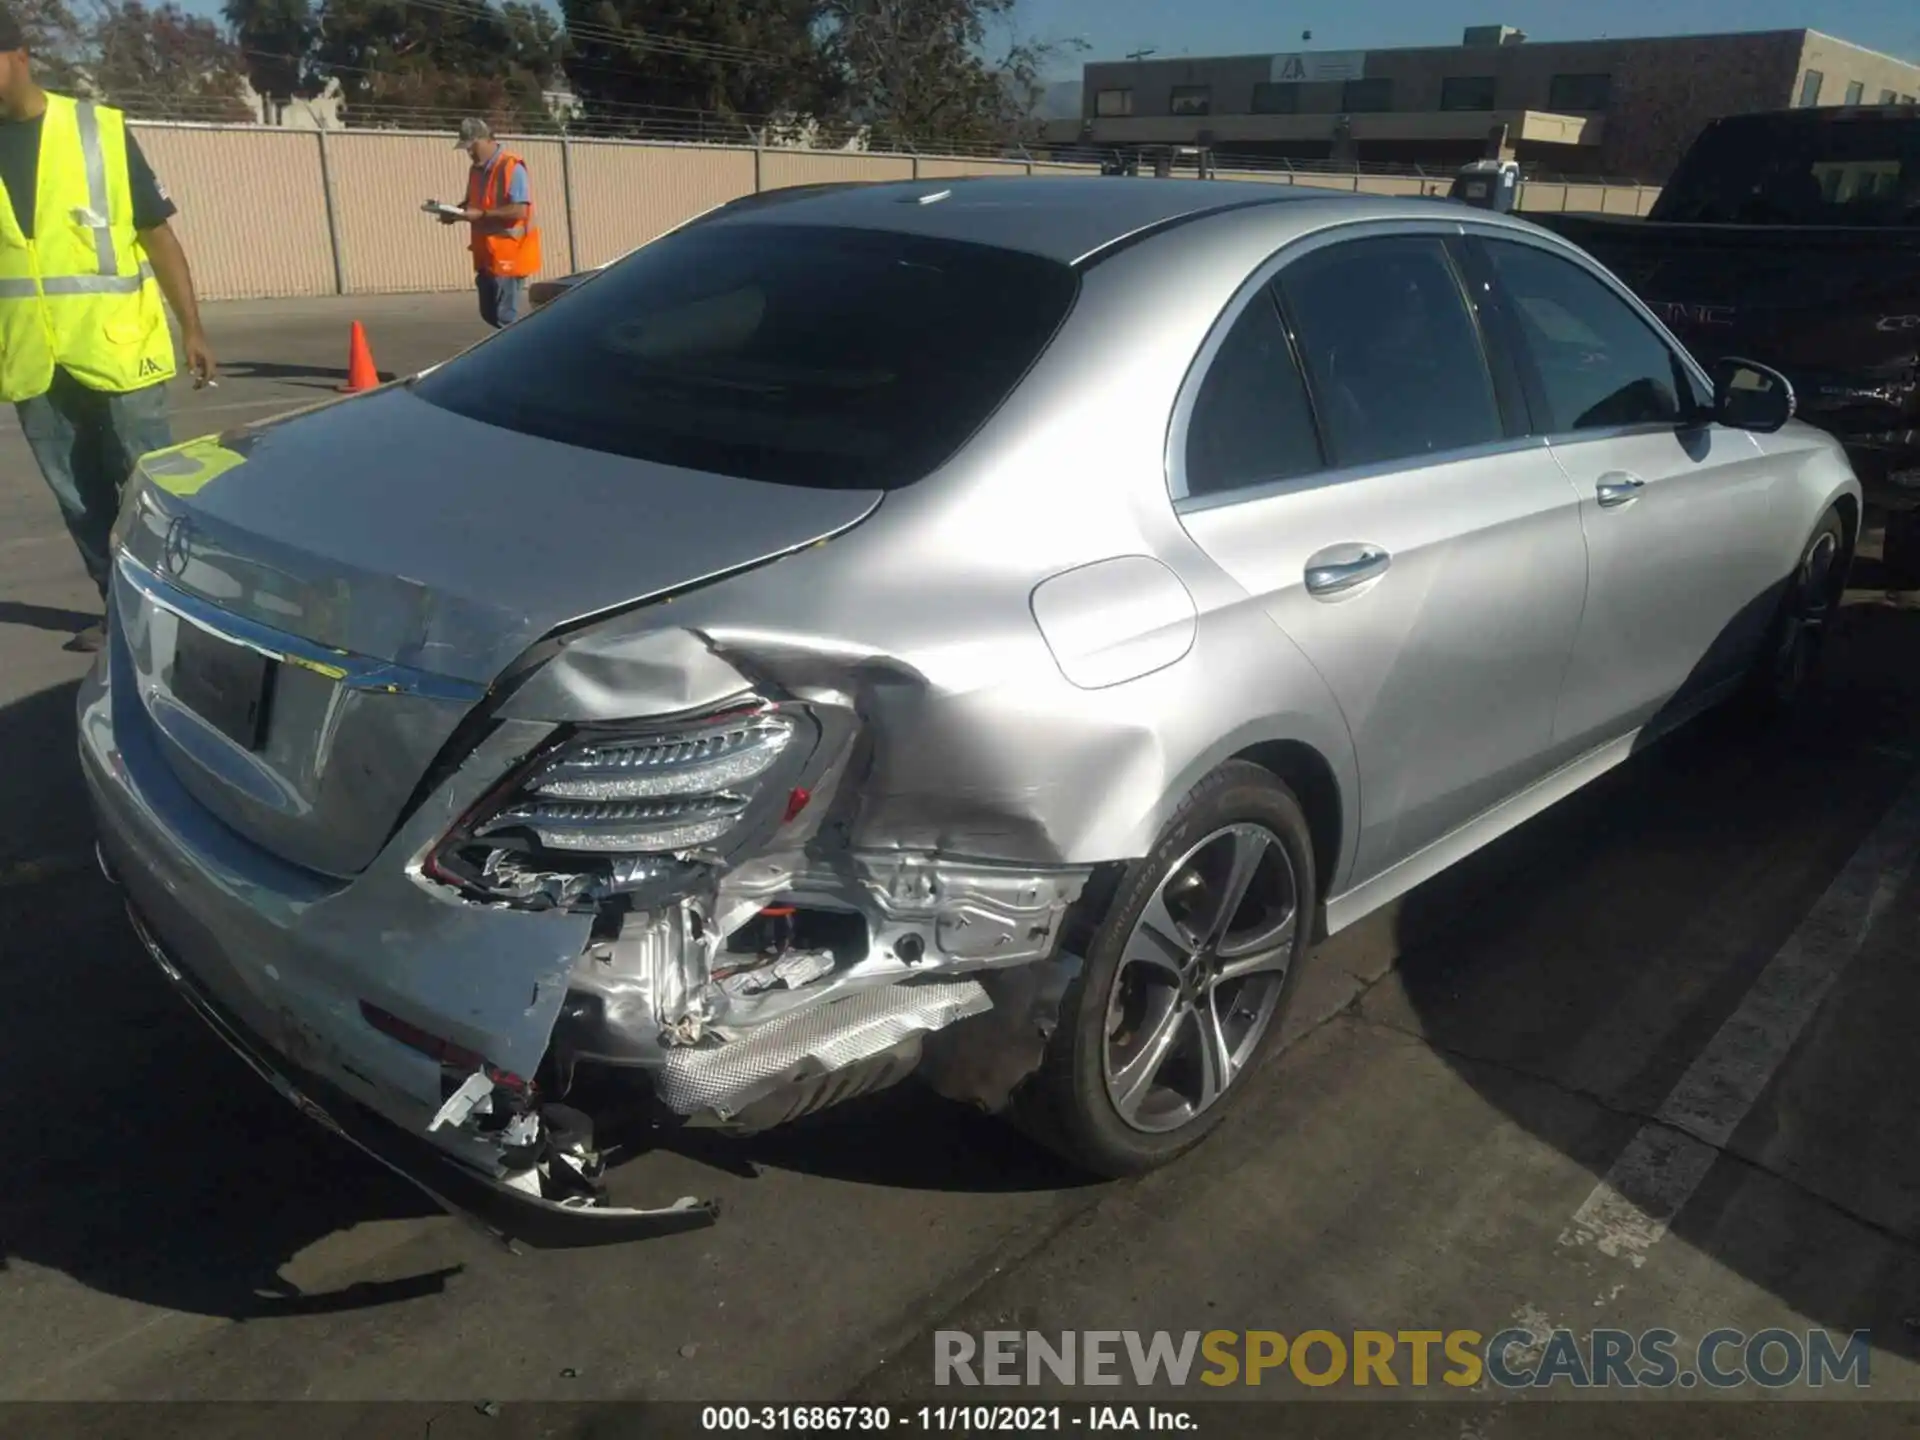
[[796, 969], [630, 992], [935, 910], [818, 1040], [650, 987]]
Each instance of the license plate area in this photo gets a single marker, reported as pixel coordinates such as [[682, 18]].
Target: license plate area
[[227, 685]]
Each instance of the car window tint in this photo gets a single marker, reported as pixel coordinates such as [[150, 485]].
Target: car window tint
[[1392, 350], [801, 355], [1599, 363], [1251, 421]]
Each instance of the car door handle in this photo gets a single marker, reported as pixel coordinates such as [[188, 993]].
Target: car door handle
[[1618, 488], [1342, 567]]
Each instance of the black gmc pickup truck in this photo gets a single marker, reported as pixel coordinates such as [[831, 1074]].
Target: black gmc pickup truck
[[1794, 239]]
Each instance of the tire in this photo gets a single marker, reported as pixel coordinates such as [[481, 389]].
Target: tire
[[1141, 985], [1796, 639], [1900, 550]]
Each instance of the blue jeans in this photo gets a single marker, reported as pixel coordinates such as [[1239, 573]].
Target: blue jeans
[[500, 297], [86, 442]]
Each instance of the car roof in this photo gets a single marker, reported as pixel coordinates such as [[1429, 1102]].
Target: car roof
[[1065, 218]]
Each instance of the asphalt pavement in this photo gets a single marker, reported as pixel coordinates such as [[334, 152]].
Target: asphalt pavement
[[1646, 1063]]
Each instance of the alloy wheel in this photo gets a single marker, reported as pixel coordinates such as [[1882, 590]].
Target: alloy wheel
[[1200, 977], [1808, 610]]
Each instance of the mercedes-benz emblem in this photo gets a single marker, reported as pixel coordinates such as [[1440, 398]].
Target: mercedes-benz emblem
[[174, 549]]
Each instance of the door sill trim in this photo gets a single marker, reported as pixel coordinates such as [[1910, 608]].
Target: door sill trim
[[1489, 825]]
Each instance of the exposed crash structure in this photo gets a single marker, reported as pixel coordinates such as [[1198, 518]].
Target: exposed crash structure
[[744, 956]]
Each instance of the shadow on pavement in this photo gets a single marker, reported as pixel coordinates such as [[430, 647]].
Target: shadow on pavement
[[906, 1138], [44, 617], [146, 1161], [1599, 948], [308, 377]]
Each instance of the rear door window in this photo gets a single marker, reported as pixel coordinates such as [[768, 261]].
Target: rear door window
[[1391, 349], [802, 355], [1251, 422]]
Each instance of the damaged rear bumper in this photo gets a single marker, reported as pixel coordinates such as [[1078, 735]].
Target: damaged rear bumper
[[288, 968], [503, 1211]]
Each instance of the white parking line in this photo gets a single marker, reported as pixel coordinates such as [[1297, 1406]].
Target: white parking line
[[1661, 1167]]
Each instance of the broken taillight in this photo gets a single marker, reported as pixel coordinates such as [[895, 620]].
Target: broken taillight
[[609, 809]]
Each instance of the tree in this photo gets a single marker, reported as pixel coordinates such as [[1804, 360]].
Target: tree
[[928, 71], [276, 38], [643, 66], [160, 62], [56, 39], [439, 60]]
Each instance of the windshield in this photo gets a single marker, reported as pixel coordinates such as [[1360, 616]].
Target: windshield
[[1789, 170], [800, 355]]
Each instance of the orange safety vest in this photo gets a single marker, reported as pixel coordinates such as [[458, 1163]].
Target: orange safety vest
[[501, 247]]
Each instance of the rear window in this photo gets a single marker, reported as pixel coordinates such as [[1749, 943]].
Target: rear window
[[1864, 170], [801, 355]]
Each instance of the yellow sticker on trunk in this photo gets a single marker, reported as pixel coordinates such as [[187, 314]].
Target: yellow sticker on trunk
[[189, 468]]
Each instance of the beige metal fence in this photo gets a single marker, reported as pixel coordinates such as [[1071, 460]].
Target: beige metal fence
[[268, 212]]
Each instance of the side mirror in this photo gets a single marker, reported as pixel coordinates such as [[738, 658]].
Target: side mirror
[[1750, 396]]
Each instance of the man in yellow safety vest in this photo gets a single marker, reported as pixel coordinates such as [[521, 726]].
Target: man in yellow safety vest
[[85, 256]]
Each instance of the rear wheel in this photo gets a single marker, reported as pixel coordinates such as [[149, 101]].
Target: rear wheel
[[1800, 627], [1185, 983]]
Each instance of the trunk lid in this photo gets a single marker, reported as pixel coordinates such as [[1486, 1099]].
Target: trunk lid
[[402, 557]]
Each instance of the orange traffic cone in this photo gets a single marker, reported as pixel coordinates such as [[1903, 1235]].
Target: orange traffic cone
[[360, 372]]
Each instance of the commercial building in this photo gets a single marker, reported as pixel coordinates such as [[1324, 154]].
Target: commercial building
[[1622, 108]]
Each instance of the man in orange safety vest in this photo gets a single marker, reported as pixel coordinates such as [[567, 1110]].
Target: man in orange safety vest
[[506, 242]]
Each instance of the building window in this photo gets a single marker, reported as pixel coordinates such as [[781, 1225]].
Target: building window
[[1359, 97], [1466, 92], [1856, 92], [1810, 88], [1190, 100], [1273, 98], [1578, 93], [1886, 97], [1113, 102]]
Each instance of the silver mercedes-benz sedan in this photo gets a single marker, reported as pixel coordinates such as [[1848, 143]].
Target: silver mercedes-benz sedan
[[983, 631]]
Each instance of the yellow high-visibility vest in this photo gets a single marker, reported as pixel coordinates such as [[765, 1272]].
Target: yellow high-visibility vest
[[80, 294]]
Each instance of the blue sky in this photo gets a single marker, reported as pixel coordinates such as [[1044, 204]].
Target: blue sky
[[1216, 27]]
